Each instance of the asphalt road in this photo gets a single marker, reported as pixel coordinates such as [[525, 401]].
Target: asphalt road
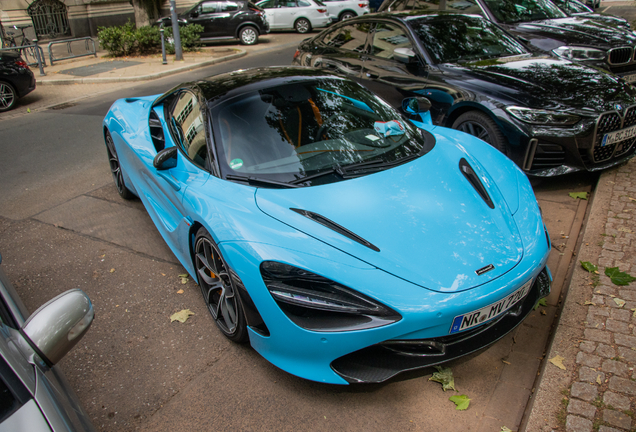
[[62, 226]]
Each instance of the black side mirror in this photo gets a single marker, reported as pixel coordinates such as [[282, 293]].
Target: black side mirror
[[166, 158], [416, 105]]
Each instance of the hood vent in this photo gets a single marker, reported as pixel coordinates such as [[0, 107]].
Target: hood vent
[[335, 227], [474, 180]]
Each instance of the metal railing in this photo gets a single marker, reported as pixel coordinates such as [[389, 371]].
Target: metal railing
[[89, 48], [32, 54]]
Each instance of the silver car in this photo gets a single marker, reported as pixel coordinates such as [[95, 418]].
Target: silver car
[[34, 395]]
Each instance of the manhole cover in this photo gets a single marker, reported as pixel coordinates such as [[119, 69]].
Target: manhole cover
[[95, 69]]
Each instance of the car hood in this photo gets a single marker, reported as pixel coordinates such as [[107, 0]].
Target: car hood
[[429, 224], [545, 83], [574, 31]]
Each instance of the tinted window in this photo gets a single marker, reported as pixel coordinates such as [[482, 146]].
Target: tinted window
[[460, 38], [388, 37], [268, 4], [349, 37], [291, 131], [208, 7], [572, 7], [228, 6], [287, 3], [188, 128], [465, 6], [513, 11], [303, 3]]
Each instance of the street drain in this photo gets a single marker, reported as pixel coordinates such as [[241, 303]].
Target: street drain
[[63, 106]]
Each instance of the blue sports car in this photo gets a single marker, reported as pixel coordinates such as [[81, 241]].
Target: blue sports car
[[345, 240]]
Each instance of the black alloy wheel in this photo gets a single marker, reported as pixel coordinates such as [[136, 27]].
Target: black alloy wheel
[[8, 96], [218, 288], [302, 25], [478, 124], [248, 35], [115, 169]]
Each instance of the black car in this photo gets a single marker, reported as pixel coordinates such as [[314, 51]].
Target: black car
[[575, 8], [545, 28], [225, 19], [16, 79], [549, 115]]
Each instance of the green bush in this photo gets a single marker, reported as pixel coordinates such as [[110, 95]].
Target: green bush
[[126, 40]]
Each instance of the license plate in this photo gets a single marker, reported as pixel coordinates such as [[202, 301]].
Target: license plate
[[630, 78], [480, 316], [619, 135]]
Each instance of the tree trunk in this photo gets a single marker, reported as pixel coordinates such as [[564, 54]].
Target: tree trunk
[[141, 14]]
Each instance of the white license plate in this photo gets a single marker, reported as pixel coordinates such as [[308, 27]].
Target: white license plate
[[630, 78], [480, 316], [619, 135]]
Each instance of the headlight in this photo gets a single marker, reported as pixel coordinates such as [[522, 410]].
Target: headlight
[[579, 53], [316, 303], [542, 117]]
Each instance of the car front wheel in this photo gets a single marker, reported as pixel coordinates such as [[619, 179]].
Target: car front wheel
[[8, 96], [302, 25], [248, 35], [217, 287], [478, 124]]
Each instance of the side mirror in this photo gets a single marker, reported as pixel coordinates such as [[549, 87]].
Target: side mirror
[[194, 14], [166, 158], [59, 324], [416, 105], [404, 55]]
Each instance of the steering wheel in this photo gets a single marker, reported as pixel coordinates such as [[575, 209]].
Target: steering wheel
[[325, 126]]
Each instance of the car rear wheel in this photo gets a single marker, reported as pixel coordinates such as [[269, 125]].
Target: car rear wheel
[[346, 15], [483, 127], [248, 35], [8, 96], [115, 169], [217, 287], [302, 25]]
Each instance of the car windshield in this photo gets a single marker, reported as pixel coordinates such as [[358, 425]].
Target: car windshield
[[302, 129], [572, 6], [514, 11], [458, 38]]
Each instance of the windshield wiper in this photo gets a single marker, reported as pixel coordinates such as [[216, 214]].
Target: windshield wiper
[[254, 181], [335, 170]]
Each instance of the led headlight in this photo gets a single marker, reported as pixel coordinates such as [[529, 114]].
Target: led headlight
[[316, 303], [542, 117], [579, 53]]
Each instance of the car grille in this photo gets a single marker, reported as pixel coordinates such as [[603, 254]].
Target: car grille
[[621, 55], [609, 122]]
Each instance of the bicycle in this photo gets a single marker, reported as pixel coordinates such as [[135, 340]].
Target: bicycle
[[26, 47]]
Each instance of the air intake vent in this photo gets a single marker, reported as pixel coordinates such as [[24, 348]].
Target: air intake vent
[[474, 180], [156, 131], [335, 227]]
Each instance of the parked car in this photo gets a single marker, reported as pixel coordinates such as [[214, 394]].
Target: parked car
[[545, 28], [301, 15], [16, 79], [35, 394], [578, 9], [225, 19], [334, 234], [345, 9], [549, 115], [594, 4]]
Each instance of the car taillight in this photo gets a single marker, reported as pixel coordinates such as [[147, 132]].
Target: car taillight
[[22, 63], [296, 54], [363, 5], [321, 10]]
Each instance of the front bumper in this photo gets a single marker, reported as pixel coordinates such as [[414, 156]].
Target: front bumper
[[383, 361]]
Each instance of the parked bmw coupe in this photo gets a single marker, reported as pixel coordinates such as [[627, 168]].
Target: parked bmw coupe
[[549, 115], [16, 79], [344, 241], [35, 395], [545, 28]]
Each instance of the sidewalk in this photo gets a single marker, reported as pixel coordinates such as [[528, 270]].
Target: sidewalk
[[596, 334]]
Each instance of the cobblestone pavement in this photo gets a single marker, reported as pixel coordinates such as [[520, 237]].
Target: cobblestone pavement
[[596, 335]]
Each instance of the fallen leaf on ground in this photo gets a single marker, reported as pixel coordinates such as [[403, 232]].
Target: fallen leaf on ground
[[598, 379], [543, 312], [588, 266], [461, 401], [589, 303], [634, 310], [112, 270], [580, 195], [181, 316], [184, 281], [505, 429], [28, 110], [184, 275], [506, 362], [444, 376], [618, 277], [541, 302], [620, 303], [626, 230], [558, 361], [180, 291]]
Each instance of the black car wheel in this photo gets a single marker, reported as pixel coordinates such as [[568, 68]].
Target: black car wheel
[[248, 35], [115, 169], [346, 15], [218, 289], [480, 125], [302, 25], [8, 96]]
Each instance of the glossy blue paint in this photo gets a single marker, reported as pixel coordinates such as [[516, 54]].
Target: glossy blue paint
[[431, 226]]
